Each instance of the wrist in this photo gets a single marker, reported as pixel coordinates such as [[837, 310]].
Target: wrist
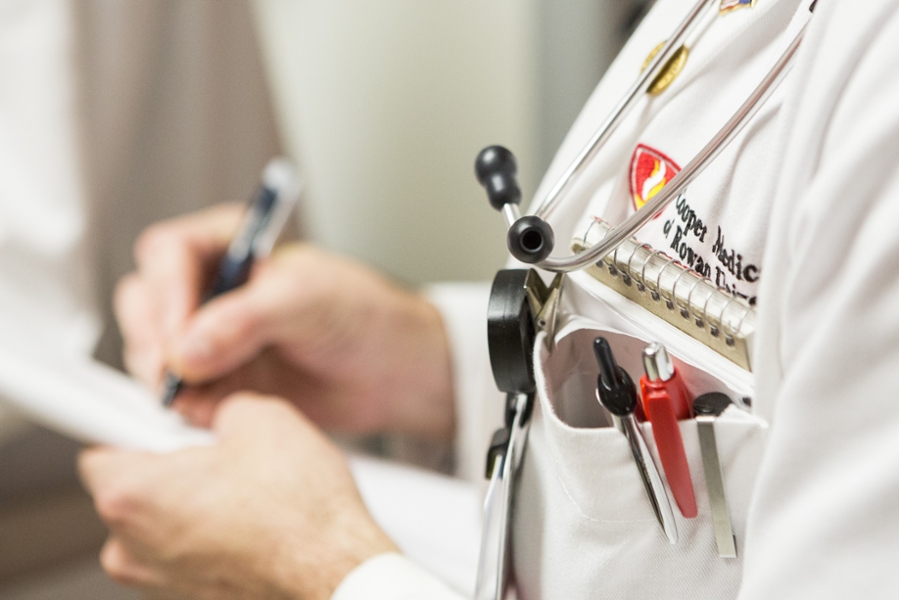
[[425, 407], [313, 571]]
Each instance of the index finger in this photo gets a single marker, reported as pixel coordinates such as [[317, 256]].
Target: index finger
[[176, 257]]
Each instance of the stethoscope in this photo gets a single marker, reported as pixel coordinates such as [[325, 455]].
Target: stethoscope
[[521, 304], [530, 238]]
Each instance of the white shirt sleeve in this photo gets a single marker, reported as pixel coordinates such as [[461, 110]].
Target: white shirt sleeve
[[392, 576], [479, 405]]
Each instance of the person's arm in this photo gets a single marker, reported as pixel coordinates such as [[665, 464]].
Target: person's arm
[[353, 351], [269, 511], [824, 520]]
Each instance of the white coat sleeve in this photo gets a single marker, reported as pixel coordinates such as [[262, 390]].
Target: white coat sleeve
[[392, 576], [824, 521]]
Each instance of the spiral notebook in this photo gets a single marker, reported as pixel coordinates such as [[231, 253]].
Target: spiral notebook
[[682, 297]]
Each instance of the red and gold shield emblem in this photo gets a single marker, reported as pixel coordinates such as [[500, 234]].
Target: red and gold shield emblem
[[650, 171]]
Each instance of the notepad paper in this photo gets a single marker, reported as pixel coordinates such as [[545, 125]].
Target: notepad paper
[[88, 401], [676, 294]]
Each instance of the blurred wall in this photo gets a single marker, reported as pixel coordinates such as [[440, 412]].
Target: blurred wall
[[575, 42], [386, 104], [176, 115]]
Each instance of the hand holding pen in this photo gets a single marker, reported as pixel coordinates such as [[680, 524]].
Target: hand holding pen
[[266, 216], [352, 350]]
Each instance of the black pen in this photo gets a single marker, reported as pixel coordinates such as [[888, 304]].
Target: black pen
[[616, 391], [265, 218]]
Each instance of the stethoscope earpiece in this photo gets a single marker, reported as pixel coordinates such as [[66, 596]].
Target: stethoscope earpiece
[[496, 170], [530, 239]]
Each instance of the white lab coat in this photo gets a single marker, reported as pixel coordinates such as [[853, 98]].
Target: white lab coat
[[807, 195], [45, 287], [819, 521]]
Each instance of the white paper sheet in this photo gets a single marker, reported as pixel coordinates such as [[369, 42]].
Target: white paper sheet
[[88, 401]]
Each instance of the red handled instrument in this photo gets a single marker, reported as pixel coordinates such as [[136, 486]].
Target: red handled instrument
[[665, 402]]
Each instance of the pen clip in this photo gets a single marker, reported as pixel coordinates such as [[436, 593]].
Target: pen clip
[[708, 408]]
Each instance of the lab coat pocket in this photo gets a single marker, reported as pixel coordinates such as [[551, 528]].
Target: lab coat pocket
[[583, 524]]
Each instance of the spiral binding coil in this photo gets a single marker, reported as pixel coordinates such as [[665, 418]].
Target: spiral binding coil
[[672, 291]]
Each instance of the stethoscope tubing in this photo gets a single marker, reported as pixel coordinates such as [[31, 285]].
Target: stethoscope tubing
[[678, 184], [621, 110]]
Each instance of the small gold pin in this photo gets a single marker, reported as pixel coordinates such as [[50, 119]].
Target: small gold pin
[[727, 6], [669, 71]]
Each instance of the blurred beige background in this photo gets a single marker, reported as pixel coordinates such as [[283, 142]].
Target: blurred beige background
[[383, 104]]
